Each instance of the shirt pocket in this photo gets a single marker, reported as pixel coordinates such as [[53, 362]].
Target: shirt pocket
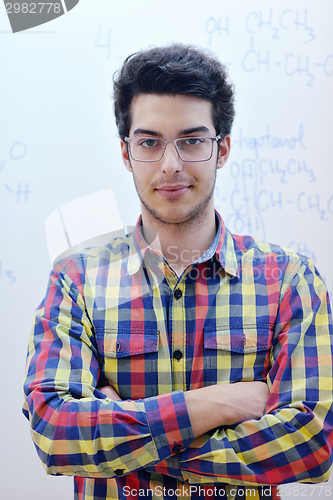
[[237, 353], [129, 360]]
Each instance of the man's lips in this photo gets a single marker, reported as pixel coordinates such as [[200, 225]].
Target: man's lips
[[173, 190]]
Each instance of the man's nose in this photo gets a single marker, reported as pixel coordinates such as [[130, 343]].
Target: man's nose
[[170, 162]]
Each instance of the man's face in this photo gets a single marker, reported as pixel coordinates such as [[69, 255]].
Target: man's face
[[172, 190]]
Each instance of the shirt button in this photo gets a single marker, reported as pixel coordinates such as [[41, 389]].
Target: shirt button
[[119, 472], [178, 293], [177, 448], [178, 354]]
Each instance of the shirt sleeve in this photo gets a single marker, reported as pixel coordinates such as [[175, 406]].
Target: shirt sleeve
[[75, 428], [293, 440]]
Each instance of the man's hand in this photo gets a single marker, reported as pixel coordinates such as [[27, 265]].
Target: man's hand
[[110, 393], [225, 404], [217, 405]]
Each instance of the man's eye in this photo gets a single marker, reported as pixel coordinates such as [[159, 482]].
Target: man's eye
[[148, 143], [193, 141]]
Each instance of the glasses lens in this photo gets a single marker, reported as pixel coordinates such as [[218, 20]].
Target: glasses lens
[[146, 148], [195, 148]]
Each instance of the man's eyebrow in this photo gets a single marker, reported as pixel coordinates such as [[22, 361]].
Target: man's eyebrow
[[188, 131], [146, 131]]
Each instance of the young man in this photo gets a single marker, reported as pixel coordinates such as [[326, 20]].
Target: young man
[[181, 361]]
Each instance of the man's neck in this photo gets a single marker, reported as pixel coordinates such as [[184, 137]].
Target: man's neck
[[181, 244]]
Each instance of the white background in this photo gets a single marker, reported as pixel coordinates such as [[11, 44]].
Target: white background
[[58, 142]]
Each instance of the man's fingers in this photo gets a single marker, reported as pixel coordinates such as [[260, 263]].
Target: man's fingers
[[110, 393]]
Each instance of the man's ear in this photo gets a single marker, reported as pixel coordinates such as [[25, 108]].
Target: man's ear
[[223, 152], [124, 155]]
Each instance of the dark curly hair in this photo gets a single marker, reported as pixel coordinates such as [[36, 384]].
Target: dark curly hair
[[174, 69]]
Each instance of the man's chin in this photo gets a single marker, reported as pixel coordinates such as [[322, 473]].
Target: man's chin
[[174, 216]]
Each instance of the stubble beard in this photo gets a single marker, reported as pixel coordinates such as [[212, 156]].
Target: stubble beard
[[197, 215]]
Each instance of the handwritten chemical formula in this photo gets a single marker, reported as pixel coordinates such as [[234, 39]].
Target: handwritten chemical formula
[[275, 24], [270, 173], [18, 190], [249, 197], [291, 64], [268, 33]]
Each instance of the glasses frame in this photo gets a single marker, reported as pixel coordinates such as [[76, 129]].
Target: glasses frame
[[213, 139]]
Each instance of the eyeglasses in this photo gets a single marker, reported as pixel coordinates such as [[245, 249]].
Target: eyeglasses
[[188, 148]]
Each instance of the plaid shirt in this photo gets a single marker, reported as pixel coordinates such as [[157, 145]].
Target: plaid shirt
[[119, 315]]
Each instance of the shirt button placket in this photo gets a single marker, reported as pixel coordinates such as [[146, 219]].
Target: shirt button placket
[[178, 339]]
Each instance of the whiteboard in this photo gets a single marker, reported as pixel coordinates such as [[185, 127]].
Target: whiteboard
[[58, 144]]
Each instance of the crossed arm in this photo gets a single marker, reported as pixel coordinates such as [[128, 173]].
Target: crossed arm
[[219, 405]]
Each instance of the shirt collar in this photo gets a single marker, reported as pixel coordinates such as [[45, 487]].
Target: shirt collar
[[225, 249], [223, 246]]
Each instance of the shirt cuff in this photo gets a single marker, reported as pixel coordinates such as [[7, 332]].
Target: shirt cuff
[[169, 423]]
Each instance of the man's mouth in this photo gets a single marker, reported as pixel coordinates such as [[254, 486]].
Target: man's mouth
[[171, 190]]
